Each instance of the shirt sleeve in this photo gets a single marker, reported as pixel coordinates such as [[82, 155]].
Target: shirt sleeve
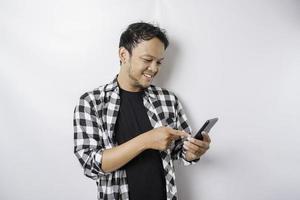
[[178, 152], [87, 144]]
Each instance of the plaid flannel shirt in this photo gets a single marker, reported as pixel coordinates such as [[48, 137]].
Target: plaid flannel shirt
[[94, 121]]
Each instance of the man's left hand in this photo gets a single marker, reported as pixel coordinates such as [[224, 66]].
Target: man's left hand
[[196, 148]]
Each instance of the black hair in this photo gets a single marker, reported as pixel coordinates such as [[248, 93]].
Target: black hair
[[141, 31]]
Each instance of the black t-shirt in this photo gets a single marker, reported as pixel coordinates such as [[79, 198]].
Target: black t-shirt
[[145, 172]]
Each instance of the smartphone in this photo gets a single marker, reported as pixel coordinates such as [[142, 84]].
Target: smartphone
[[206, 128]]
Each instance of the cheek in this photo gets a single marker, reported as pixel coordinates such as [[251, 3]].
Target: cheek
[[140, 67], [136, 71]]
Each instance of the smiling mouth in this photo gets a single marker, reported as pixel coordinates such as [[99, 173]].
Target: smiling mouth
[[148, 76]]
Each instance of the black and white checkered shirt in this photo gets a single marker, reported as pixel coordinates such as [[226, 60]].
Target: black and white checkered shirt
[[94, 121]]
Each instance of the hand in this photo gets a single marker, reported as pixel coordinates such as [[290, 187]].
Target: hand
[[162, 137], [196, 148]]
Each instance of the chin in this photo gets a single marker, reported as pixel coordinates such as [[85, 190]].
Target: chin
[[144, 86]]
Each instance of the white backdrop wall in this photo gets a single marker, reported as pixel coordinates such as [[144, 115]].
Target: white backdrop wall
[[238, 60]]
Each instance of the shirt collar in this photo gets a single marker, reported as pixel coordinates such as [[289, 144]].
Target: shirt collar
[[113, 86]]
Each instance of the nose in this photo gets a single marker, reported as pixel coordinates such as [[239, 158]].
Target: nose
[[153, 67]]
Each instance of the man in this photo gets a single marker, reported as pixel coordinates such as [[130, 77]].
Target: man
[[128, 132]]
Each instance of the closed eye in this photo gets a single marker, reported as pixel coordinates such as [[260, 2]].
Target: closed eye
[[150, 60], [147, 60]]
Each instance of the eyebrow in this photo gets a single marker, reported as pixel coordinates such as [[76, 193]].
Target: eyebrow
[[148, 55]]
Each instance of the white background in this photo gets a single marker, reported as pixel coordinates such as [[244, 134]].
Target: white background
[[237, 60]]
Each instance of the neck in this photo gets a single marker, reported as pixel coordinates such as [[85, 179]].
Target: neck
[[126, 83]]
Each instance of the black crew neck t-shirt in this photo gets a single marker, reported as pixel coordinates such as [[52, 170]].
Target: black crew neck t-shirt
[[145, 172]]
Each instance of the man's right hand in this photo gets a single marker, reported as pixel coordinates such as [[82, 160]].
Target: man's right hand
[[158, 138], [162, 137]]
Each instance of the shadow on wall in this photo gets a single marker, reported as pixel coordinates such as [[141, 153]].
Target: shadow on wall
[[168, 66]]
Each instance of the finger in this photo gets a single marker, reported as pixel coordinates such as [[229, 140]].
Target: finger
[[206, 137], [195, 148], [179, 133], [200, 143], [191, 147], [195, 155], [192, 156], [195, 141]]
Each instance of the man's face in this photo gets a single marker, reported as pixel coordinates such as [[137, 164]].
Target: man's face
[[144, 63]]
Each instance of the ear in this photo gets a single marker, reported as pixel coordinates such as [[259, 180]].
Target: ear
[[123, 55]]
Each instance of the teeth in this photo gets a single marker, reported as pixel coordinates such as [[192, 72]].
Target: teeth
[[149, 76]]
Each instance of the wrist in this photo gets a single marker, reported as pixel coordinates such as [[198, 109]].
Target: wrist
[[143, 140]]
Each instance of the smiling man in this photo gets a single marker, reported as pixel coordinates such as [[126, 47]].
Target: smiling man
[[127, 133]]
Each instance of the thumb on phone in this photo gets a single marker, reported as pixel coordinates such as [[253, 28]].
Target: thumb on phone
[[206, 137]]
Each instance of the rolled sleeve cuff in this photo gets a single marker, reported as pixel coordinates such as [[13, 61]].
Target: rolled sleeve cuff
[[98, 162]]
